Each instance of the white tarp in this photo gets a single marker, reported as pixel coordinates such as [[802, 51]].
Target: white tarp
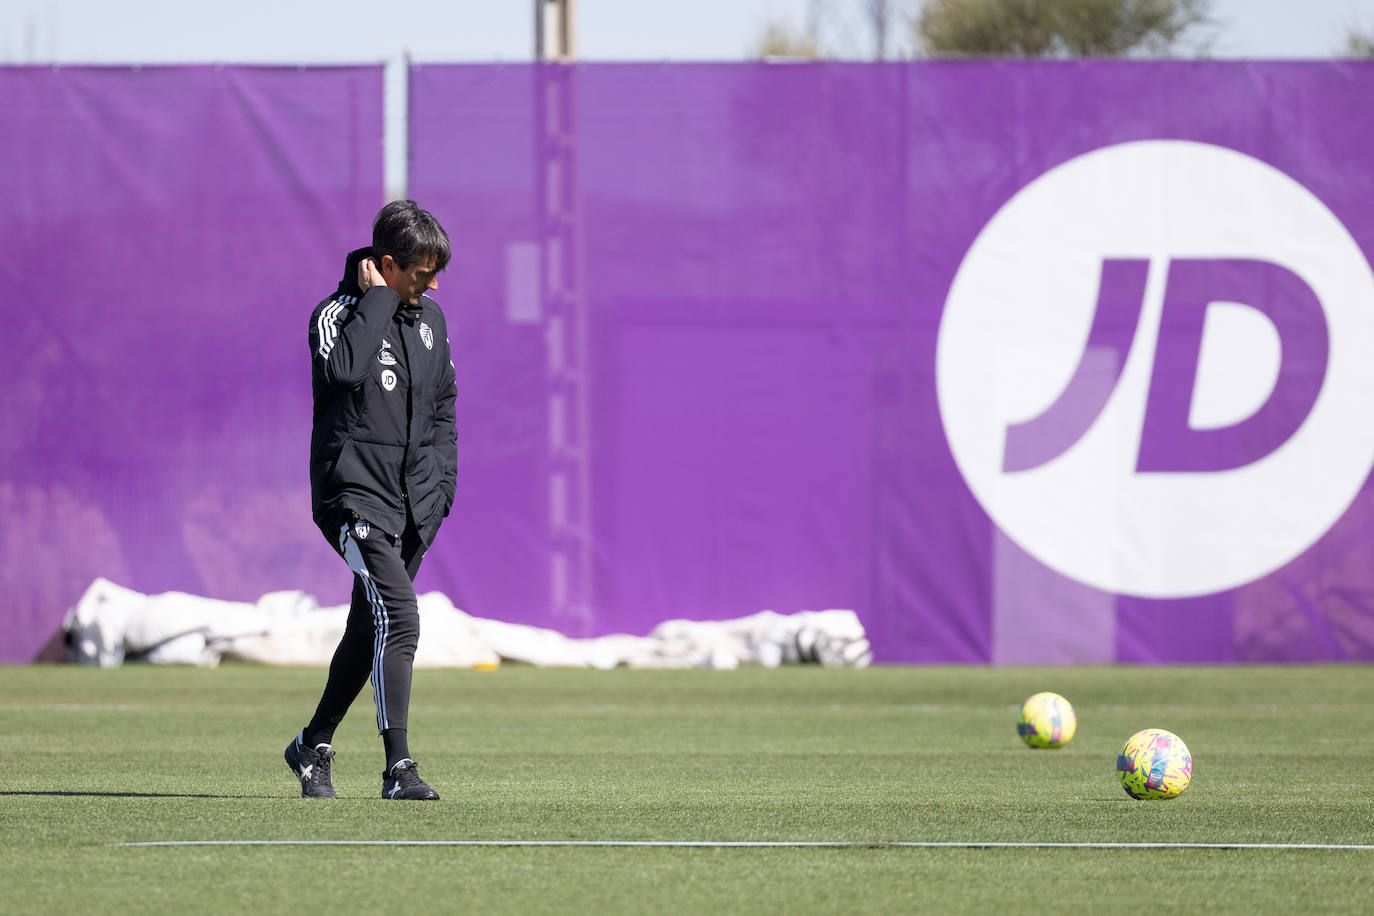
[[112, 624]]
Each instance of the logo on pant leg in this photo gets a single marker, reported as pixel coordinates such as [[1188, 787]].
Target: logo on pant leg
[[1153, 368], [361, 530]]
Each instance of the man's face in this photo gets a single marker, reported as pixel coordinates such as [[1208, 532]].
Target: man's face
[[411, 282]]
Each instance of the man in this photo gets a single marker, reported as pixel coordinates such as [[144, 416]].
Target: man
[[383, 466]]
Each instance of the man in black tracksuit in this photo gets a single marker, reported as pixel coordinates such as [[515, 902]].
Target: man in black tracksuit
[[383, 466]]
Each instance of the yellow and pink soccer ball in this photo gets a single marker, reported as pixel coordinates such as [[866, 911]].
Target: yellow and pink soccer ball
[[1046, 720], [1154, 764]]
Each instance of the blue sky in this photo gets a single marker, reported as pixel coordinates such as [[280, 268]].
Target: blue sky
[[307, 31]]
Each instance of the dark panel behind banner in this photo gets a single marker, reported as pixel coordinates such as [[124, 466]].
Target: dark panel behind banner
[[164, 235]]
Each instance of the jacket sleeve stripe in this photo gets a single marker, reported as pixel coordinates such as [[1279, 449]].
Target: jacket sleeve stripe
[[328, 326], [325, 329]]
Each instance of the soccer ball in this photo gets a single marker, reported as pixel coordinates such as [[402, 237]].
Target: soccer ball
[[1154, 764], [1046, 720]]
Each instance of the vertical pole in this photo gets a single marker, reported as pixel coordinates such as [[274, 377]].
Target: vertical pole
[[878, 11], [565, 317]]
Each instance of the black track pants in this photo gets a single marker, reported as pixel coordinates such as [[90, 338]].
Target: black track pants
[[383, 628]]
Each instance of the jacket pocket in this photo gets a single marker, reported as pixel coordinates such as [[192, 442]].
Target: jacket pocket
[[344, 464], [373, 468], [429, 504]]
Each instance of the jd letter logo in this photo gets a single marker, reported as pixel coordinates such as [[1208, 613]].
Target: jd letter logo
[[1156, 369]]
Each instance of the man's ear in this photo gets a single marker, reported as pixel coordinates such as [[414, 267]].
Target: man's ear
[[387, 265]]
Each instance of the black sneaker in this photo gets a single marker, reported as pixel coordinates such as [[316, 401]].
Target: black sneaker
[[311, 767], [402, 782]]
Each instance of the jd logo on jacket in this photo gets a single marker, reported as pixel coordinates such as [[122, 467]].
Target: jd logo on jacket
[[1155, 368]]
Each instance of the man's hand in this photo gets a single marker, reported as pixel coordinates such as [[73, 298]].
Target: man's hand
[[369, 275]]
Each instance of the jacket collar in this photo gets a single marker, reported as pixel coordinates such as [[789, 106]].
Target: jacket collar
[[348, 286]]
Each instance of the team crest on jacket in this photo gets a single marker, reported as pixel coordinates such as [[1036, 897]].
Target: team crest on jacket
[[385, 358], [427, 336], [361, 529]]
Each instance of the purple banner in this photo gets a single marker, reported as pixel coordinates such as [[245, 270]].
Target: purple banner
[[164, 233], [1026, 363]]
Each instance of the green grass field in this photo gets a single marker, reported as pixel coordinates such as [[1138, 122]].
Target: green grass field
[[91, 759]]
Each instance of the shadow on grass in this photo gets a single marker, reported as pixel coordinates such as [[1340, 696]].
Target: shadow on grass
[[65, 793]]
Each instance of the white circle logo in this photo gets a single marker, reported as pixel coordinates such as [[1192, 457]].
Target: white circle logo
[[388, 379], [1154, 369]]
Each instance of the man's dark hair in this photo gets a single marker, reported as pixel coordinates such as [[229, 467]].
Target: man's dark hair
[[409, 234]]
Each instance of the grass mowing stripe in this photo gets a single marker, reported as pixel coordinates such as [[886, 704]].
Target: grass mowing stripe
[[748, 844]]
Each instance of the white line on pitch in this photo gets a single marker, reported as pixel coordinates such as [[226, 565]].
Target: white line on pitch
[[732, 844]]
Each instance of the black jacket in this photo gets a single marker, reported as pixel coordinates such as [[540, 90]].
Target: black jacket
[[383, 435]]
